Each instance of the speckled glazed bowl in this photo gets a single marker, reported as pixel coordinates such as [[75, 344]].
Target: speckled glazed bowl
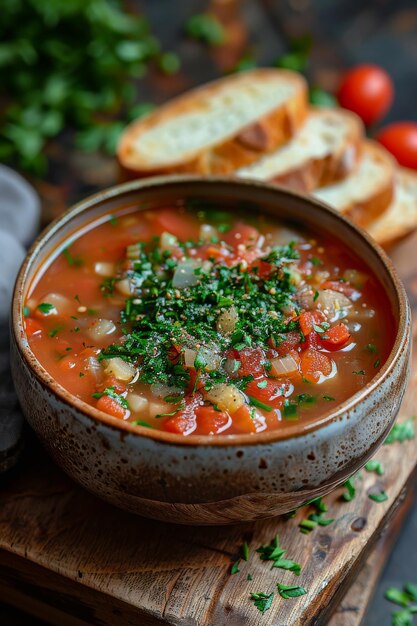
[[203, 480]]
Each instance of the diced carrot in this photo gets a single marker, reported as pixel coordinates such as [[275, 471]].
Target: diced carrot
[[212, 422], [309, 319], [313, 364], [270, 392], [242, 420], [111, 406], [336, 337], [184, 422], [32, 327]]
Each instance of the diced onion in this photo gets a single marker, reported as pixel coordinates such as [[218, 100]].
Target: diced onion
[[283, 366], [124, 286], [333, 303], [137, 403], [283, 236], [189, 357], [212, 359], [184, 275], [226, 397], [100, 329], [168, 242], [122, 370], [133, 251], [207, 232], [226, 322], [61, 303], [93, 366], [103, 268]]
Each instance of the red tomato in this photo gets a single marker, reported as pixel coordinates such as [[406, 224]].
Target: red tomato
[[171, 221], [210, 421], [184, 422], [270, 392], [400, 139], [291, 341], [241, 234], [368, 91], [314, 363], [251, 362], [336, 337]]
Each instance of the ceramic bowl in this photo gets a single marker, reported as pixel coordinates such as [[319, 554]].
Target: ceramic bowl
[[223, 479]]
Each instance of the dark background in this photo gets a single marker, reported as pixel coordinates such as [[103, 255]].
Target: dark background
[[345, 32]]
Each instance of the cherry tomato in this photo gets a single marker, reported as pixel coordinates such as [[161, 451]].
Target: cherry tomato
[[368, 91], [400, 139]]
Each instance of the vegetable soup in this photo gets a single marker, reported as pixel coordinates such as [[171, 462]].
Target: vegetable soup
[[201, 322]]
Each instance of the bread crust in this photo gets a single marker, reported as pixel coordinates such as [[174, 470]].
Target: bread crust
[[264, 135]]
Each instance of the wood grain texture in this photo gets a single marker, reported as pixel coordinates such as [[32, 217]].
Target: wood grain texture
[[159, 573]]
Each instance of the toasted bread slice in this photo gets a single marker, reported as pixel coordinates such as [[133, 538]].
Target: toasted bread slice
[[218, 127], [368, 191], [325, 150], [400, 219]]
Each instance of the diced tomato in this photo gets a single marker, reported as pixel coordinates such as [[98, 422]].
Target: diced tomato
[[270, 392], [312, 341], [212, 251], [292, 340], [242, 420], [212, 422], [336, 337], [341, 287], [262, 269], [111, 406], [172, 221], [313, 364], [241, 233], [32, 327], [251, 362], [112, 381], [309, 319], [195, 381]]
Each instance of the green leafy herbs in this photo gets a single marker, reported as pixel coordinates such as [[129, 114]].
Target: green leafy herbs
[[329, 398], [375, 466], [260, 405], [245, 551], [45, 307], [317, 518], [289, 410], [262, 601], [235, 567], [350, 492], [207, 28], [70, 65], [321, 98], [112, 393], [75, 261], [296, 58], [290, 591], [403, 431], [274, 552], [359, 372], [165, 321], [403, 597], [378, 497], [142, 423]]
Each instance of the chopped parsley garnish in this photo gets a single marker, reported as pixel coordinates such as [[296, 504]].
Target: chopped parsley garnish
[[54, 331], [403, 431], [75, 261], [165, 320], [141, 423], [45, 307], [329, 398], [359, 372], [377, 363], [289, 410], [403, 597], [371, 347], [317, 518], [378, 497], [245, 551], [375, 466], [316, 261], [112, 393], [350, 492], [290, 591], [235, 567], [262, 601], [261, 405], [274, 552]]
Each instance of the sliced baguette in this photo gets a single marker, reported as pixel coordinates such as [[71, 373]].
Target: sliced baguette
[[325, 150], [368, 191], [218, 127], [400, 219]]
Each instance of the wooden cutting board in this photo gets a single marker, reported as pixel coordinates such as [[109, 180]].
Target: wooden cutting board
[[73, 560]]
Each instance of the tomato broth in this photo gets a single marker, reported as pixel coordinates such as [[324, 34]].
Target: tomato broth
[[207, 322]]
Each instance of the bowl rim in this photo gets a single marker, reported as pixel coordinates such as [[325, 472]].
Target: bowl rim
[[402, 336]]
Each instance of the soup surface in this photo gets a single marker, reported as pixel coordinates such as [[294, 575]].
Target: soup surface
[[207, 322]]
